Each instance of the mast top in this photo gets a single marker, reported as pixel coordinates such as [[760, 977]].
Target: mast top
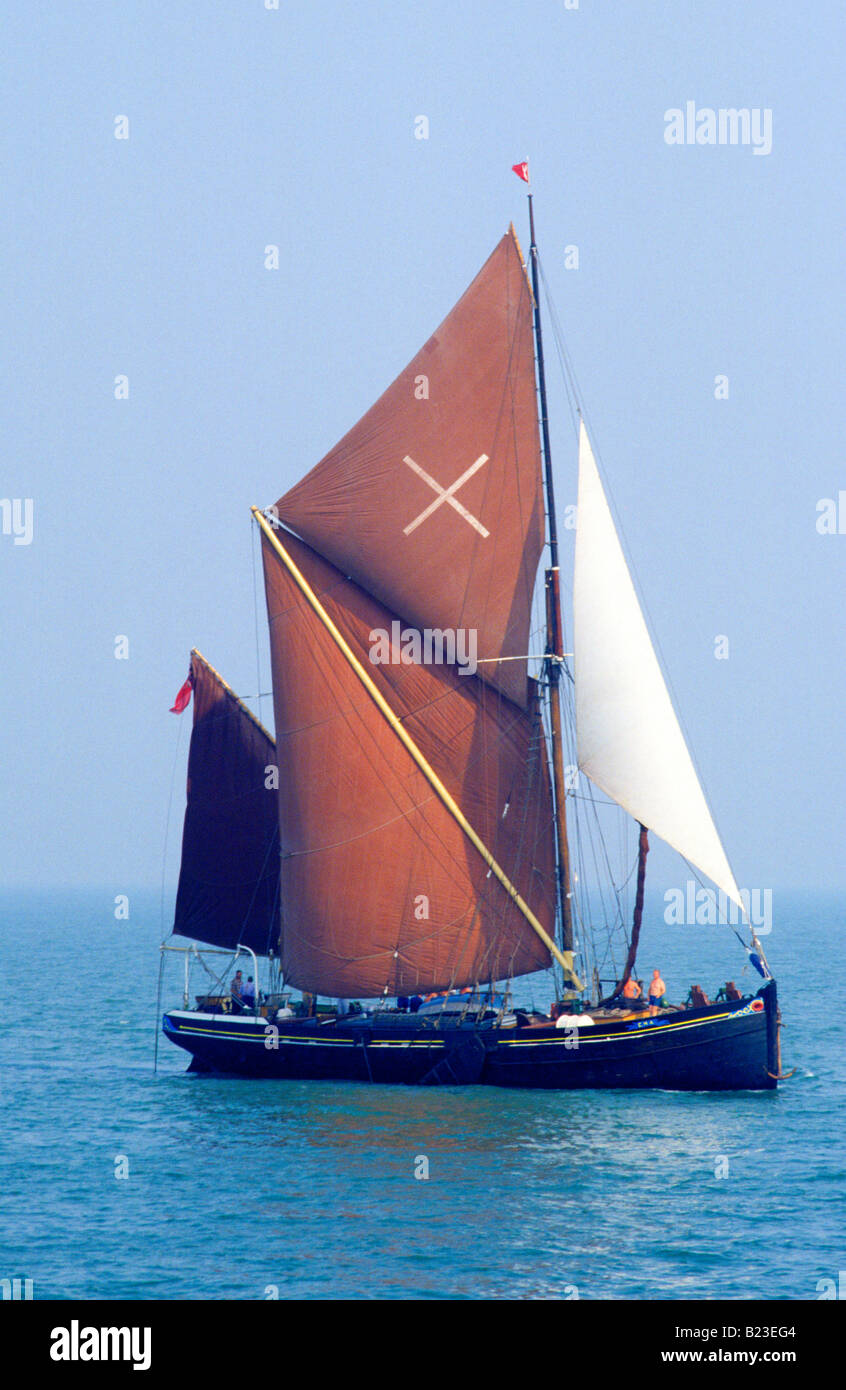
[[544, 416]]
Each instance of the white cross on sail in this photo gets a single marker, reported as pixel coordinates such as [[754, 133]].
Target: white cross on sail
[[446, 495]]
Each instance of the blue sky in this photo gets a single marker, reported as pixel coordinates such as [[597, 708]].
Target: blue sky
[[295, 127]]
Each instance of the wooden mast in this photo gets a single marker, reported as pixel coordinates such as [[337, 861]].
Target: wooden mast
[[642, 851], [554, 626]]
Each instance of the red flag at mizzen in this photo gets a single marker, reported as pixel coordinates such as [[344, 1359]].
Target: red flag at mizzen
[[183, 699], [522, 170]]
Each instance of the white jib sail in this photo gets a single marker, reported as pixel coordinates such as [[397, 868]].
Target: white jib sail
[[629, 740]]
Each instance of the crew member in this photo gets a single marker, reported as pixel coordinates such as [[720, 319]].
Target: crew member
[[657, 991]]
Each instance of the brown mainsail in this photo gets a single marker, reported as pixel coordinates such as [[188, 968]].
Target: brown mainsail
[[384, 893], [433, 502], [228, 891]]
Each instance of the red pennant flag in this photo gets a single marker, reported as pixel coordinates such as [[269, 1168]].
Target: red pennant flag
[[522, 170], [183, 699]]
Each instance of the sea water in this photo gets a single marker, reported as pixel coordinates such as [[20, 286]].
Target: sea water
[[122, 1182]]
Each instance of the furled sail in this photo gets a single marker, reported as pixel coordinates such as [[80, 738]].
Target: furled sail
[[384, 893], [433, 501], [229, 877], [629, 740]]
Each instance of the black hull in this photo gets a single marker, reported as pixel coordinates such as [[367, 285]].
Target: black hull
[[728, 1047]]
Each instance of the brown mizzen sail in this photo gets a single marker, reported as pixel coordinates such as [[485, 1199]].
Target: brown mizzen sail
[[433, 501], [229, 877]]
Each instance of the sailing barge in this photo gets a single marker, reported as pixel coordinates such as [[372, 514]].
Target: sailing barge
[[405, 834]]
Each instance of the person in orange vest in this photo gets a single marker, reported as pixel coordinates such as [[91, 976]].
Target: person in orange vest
[[657, 990]]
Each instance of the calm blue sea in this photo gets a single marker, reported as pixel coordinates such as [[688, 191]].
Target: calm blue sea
[[240, 1189]]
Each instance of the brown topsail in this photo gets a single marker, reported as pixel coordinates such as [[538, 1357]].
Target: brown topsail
[[433, 502]]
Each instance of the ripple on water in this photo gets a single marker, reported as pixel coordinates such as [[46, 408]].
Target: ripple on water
[[237, 1187]]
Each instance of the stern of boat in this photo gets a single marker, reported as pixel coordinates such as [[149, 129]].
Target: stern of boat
[[769, 994]]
